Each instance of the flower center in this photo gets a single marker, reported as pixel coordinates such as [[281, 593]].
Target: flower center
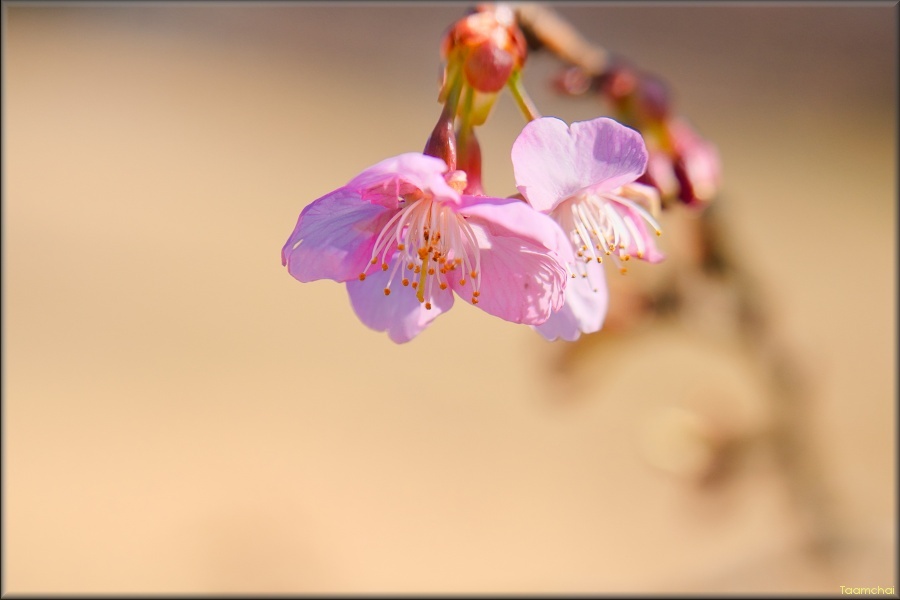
[[604, 224], [430, 244]]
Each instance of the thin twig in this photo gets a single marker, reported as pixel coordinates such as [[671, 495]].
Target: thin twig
[[544, 25]]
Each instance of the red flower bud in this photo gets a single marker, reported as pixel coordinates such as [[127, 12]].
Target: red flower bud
[[442, 142], [490, 45], [488, 67], [470, 162]]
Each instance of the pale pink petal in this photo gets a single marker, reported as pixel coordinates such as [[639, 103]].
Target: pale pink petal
[[518, 218], [642, 244], [400, 314], [584, 311], [523, 276], [403, 174], [553, 162], [334, 237]]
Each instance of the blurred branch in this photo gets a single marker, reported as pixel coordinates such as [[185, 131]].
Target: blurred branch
[[705, 278], [544, 28]]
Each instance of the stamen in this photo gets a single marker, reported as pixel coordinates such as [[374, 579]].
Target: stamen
[[430, 240], [602, 224]]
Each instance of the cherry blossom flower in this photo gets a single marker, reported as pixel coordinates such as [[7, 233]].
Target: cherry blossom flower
[[583, 177], [403, 238]]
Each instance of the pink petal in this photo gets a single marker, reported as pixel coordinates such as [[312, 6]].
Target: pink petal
[[401, 314], [553, 162], [523, 276], [334, 237], [646, 197], [584, 310], [381, 183]]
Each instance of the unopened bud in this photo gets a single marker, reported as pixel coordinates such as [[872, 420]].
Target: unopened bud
[[490, 45], [470, 162], [488, 67], [651, 98], [619, 82], [442, 142]]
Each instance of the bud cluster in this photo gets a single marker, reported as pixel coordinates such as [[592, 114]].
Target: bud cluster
[[483, 52]]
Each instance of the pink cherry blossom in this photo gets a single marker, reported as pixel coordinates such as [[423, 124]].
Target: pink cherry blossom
[[583, 177], [403, 238]]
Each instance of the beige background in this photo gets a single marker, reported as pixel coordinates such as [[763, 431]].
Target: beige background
[[180, 415]]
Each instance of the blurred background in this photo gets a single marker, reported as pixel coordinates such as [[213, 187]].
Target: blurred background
[[180, 415]]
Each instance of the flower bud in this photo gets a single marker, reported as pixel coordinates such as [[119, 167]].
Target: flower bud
[[442, 141], [488, 67], [470, 162], [618, 83], [651, 98], [489, 44]]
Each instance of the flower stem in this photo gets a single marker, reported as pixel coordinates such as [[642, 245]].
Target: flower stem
[[465, 125], [521, 97]]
